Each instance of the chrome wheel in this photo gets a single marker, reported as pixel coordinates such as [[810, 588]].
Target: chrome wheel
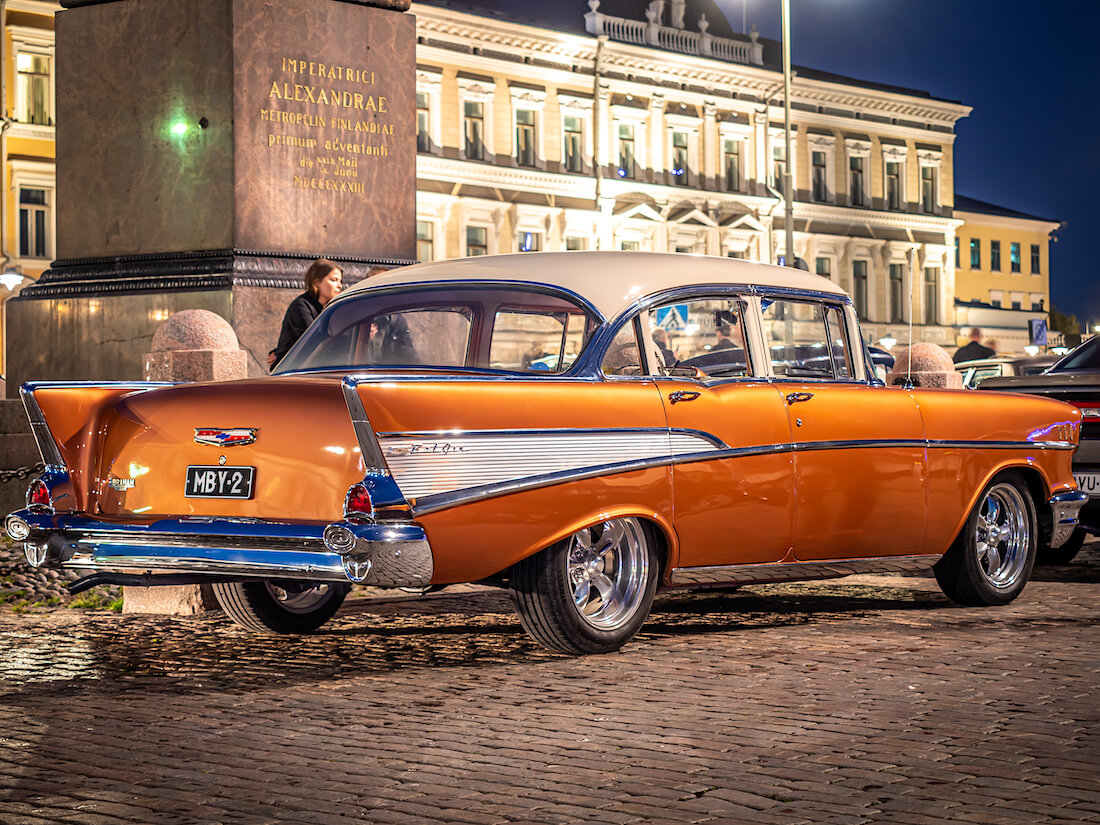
[[608, 572], [1002, 535], [299, 597]]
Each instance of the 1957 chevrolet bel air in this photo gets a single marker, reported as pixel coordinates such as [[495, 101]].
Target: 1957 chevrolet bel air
[[581, 428]]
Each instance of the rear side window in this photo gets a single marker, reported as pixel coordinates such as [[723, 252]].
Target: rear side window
[[536, 341], [805, 339]]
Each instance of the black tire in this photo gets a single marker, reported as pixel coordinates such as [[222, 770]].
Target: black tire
[[281, 606], [618, 558], [1066, 553], [991, 559]]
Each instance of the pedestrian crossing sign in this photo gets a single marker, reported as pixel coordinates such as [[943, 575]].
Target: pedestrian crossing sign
[[673, 318]]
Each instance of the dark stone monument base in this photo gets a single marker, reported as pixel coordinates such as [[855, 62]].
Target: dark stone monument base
[[93, 319]]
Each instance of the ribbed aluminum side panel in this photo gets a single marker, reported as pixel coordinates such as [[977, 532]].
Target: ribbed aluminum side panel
[[429, 467]]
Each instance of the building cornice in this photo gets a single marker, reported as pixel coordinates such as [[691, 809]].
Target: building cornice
[[476, 173], [1006, 222]]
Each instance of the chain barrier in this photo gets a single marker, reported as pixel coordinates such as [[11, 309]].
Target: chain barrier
[[21, 473]]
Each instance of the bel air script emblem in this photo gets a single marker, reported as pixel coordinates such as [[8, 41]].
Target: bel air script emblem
[[232, 437]]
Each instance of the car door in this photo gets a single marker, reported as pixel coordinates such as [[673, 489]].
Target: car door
[[732, 503], [860, 464]]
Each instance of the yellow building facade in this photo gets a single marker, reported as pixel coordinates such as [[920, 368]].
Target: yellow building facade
[[1002, 270], [27, 227]]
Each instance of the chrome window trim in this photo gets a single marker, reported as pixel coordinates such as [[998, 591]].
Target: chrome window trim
[[47, 444], [438, 434], [373, 461]]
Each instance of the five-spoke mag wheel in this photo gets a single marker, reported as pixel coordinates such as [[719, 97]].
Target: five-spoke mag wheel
[[591, 592]]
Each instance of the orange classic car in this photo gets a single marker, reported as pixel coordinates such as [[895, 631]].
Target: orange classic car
[[581, 428]]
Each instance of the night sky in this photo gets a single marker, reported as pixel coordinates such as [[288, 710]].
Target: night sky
[[1029, 70]]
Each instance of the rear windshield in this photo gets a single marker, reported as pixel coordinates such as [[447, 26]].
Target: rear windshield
[[512, 329]]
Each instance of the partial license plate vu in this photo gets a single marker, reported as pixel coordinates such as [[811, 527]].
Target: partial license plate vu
[[1088, 483], [219, 482]]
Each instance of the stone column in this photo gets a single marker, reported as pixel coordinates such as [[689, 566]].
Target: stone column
[[193, 345]]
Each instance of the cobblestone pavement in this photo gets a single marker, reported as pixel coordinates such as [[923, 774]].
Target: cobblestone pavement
[[862, 700]]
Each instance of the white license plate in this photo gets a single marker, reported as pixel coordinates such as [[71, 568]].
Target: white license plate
[[218, 482], [1088, 483]]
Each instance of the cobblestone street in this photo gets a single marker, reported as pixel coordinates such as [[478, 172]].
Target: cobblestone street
[[863, 700]]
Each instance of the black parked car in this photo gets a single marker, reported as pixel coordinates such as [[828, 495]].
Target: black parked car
[[1074, 379]]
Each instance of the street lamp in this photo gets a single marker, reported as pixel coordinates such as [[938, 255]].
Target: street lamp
[[788, 191], [11, 280]]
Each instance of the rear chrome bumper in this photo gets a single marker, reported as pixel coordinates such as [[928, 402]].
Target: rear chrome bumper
[[225, 547], [1065, 509]]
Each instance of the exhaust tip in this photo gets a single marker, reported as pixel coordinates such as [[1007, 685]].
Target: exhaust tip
[[339, 539], [16, 528]]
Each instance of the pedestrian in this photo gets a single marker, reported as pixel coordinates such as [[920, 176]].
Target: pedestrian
[[324, 280], [660, 338], [973, 350]]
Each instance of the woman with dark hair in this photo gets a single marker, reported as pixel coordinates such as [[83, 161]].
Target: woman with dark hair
[[324, 280]]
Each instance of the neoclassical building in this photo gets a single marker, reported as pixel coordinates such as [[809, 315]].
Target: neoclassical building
[[627, 125]]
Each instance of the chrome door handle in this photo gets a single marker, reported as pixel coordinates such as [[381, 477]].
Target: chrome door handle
[[795, 397], [682, 395]]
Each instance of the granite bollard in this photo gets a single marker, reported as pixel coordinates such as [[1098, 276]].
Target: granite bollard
[[927, 364], [192, 345]]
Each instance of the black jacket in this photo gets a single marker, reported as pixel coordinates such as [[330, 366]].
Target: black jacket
[[972, 352], [302, 311]]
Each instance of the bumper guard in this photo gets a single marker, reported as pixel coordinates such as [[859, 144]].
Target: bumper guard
[[1065, 507]]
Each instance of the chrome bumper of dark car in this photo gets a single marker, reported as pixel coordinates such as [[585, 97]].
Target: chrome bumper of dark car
[[390, 555], [1065, 508]]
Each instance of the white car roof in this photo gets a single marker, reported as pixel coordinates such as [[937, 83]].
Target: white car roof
[[610, 281]]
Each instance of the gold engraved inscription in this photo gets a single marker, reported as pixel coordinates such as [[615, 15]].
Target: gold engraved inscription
[[335, 117]]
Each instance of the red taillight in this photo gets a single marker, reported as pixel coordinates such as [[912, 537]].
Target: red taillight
[[38, 494], [358, 502]]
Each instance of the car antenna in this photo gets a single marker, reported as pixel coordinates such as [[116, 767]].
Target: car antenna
[[909, 352]]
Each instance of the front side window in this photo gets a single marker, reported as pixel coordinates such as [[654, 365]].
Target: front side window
[[702, 333], [473, 125], [855, 182], [995, 256], [928, 189], [859, 287], [893, 185], [477, 241], [528, 330], [1014, 256], [975, 253], [425, 244], [805, 339], [423, 135], [572, 148], [626, 150], [896, 293], [732, 165], [820, 190], [931, 294], [680, 158], [525, 137], [33, 89], [34, 212]]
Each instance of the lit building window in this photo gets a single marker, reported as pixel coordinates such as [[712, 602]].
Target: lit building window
[[823, 267], [855, 182], [1035, 259], [33, 89], [1014, 256], [995, 256], [34, 220], [630, 246], [931, 294], [576, 244], [529, 241], [896, 294], [975, 253], [957, 254], [680, 158], [425, 247], [525, 137], [779, 167], [928, 189], [859, 287], [731, 157], [474, 129], [423, 136], [477, 241], [626, 151], [573, 154]]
